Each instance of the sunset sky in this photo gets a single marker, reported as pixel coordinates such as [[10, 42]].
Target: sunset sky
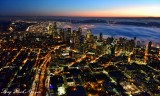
[[89, 8]]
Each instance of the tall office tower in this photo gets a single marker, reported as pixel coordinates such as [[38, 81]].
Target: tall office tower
[[50, 28], [130, 45], [101, 37], [67, 35], [73, 39], [138, 43], [55, 33], [88, 36], [149, 47], [112, 50], [79, 38], [109, 40], [89, 42], [55, 25], [76, 39], [61, 33], [135, 38], [82, 46], [79, 31]]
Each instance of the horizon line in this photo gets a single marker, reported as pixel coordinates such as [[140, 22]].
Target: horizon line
[[80, 16]]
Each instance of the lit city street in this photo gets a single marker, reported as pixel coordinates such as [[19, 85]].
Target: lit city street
[[63, 61], [79, 48]]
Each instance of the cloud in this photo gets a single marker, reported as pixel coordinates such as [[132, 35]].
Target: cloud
[[143, 33]]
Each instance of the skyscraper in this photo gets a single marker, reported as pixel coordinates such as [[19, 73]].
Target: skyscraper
[[149, 47], [67, 35], [101, 37], [62, 34], [54, 30], [88, 35], [79, 31], [112, 49], [55, 26], [50, 28]]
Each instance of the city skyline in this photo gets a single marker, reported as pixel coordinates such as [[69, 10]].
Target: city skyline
[[47, 60], [80, 48], [83, 8]]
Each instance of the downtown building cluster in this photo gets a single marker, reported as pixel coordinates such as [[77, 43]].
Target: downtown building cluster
[[51, 60]]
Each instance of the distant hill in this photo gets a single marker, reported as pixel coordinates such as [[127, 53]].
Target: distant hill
[[145, 22]]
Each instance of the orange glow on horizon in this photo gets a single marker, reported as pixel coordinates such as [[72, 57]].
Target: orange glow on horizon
[[137, 11]]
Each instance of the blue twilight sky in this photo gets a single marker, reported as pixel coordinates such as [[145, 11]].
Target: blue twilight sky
[[102, 8]]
